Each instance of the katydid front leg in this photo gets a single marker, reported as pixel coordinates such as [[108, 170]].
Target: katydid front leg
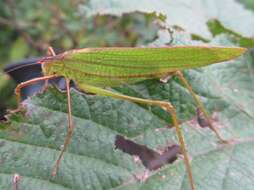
[[164, 105], [28, 83], [50, 52]]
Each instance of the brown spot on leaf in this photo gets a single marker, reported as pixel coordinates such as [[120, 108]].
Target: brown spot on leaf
[[202, 121], [151, 159]]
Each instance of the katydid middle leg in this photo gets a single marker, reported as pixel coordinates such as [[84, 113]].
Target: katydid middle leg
[[70, 123], [69, 131], [164, 105], [200, 105]]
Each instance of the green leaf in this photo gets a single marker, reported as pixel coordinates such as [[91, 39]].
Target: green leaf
[[30, 145], [248, 4], [190, 15], [216, 28]]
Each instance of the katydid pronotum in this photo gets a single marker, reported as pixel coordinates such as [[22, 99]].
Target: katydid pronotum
[[93, 69]]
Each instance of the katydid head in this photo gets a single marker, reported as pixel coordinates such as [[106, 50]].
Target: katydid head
[[50, 64]]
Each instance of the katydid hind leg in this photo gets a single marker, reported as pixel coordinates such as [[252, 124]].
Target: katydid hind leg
[[200, 106], [69, 130], [164, 105]]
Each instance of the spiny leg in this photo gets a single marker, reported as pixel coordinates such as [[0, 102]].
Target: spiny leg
[[69, 130], [29, 82], [70, 124], [200, 105], [164, 105]]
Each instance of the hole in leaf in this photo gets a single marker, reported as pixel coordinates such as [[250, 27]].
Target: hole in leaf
[[150, 158]]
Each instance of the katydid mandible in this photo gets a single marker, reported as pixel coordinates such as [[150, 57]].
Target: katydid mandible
[[93, 69]]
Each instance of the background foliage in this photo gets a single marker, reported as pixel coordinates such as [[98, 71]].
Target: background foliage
[[30, 142]]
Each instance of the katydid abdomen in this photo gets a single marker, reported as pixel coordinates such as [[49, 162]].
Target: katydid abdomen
[[115, 66]]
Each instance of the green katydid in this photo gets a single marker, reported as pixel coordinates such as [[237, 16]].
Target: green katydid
[[93, 69]]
